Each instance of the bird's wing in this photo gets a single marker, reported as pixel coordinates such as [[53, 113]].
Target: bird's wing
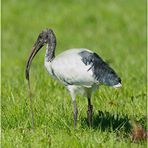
[[83, 67], [102, 72]]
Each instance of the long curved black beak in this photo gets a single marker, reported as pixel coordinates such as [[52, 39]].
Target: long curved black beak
[[37, 46]]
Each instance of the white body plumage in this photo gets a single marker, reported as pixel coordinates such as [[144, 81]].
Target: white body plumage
[[69, 69]]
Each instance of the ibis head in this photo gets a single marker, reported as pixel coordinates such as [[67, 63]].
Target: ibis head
[[43, 38]]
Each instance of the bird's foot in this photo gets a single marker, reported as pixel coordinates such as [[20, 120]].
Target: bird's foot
[[89, 115]]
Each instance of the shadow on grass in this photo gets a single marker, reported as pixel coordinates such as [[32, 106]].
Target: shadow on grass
[[105, 121], [108, 121]]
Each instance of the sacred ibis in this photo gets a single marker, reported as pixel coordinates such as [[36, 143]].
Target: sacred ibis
[[79, 69]]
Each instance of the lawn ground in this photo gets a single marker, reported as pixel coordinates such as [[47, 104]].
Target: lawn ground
[[116, 30]]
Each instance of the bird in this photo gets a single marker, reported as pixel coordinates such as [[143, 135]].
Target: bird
[[80, 70]]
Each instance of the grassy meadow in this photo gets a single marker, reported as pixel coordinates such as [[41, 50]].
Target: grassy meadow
[[116, 30]]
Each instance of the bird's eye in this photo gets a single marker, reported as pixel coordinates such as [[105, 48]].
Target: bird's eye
[[40, 37]]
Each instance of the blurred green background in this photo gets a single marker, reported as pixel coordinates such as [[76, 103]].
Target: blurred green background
[[116, 30]]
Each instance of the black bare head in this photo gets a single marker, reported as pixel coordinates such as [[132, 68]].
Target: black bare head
[[46, 36]]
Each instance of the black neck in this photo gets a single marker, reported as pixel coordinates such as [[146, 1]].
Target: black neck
[[50, 49]]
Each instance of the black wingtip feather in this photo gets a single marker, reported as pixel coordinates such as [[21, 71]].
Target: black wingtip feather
[[102, 72]]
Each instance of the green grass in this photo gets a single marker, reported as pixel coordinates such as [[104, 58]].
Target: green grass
[[116, 30]]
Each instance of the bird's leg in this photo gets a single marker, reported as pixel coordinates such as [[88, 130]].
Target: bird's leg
[[73, 97], [89, 112], [75, 113]]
